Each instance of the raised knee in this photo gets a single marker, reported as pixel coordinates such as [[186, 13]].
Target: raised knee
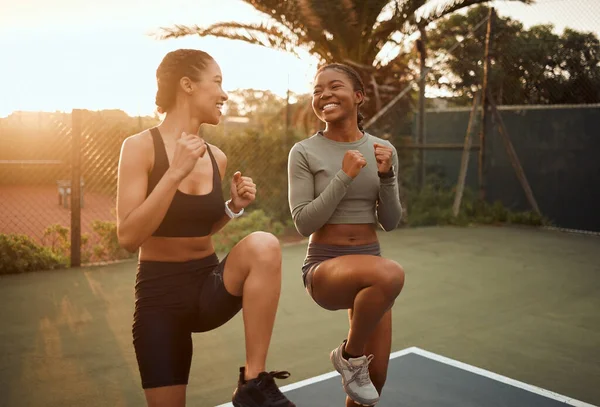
[[392, 278], [263, 247]]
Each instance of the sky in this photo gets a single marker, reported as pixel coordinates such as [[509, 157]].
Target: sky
[[68, 54]]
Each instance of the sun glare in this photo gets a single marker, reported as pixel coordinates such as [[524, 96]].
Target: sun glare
[[68, 56], [60, 63]]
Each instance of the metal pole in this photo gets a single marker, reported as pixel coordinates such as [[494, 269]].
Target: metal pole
[[485, 103], [76, 187]]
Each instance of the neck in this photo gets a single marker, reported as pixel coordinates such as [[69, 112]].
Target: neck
[[346, 131], [178, 121]]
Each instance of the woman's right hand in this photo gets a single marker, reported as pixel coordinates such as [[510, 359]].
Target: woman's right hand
[[188, 149], [353, 162]]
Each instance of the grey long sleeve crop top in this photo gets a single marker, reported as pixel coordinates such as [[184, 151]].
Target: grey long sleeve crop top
[[320, 192]]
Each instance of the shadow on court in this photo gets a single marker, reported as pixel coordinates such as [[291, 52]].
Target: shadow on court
[[520, 303]]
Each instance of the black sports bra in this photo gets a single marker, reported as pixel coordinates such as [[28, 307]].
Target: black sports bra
[[188, 215]]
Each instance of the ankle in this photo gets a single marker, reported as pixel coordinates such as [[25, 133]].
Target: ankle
[[252, 373], [349, 353]]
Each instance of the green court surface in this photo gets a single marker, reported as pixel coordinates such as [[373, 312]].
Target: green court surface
[[523, 303]]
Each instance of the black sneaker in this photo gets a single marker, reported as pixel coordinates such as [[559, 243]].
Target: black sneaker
[[260, 392]]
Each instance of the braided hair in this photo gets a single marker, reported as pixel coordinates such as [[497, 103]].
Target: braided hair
[[174, 66], [357, 84]]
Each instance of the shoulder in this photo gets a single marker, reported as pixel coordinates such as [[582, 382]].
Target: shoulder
[[220, 157], [138, 147], [142, 139], [310, 143]]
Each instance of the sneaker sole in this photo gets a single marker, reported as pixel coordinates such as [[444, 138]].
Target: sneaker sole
[[362, 403]]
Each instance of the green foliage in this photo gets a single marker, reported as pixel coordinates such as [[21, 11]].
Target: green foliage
[[433, 206], [241, 227], [108, 247], [359, 31], [263, 157], [530, 65], [58, 239], [20, 254]]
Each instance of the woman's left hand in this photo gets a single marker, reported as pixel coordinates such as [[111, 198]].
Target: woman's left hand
[[383, 155], [243, 191]]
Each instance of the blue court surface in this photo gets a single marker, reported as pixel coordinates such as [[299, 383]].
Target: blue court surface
[[418, 378]]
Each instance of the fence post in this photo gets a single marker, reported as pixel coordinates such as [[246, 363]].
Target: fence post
[[485, 103], [464, 164], [76, 125], [421, 48]]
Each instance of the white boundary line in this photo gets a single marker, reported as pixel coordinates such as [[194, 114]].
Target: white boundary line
[[503, 379], [482, 372]]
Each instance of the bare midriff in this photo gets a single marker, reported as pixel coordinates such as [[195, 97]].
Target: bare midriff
[[176, 249], [345, 234]]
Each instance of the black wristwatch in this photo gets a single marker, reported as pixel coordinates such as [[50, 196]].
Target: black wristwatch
[[388, 174]]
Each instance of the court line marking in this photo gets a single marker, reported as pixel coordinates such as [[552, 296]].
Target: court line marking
[[442, 359], [503, 379]]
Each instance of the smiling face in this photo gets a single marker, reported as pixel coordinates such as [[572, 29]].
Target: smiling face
[[190, 80], [207, 95], [336, 96]]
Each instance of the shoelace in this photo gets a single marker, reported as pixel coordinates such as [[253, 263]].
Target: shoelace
[[362, 376], [269, 386]]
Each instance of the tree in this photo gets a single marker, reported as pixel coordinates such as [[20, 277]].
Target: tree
[[534, 66], [356, 32]]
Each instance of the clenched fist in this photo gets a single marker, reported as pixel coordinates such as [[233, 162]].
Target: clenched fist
[[353, 162], [383, 155], [243, 191], [188, 149]]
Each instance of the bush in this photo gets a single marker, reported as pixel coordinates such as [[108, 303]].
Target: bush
[[239, 228], [20, 254], [109, 247], [433, 206]]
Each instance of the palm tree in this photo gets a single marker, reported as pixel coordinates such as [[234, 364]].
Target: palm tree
[[356, 32]]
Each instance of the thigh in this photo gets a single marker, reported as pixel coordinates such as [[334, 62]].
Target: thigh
[[162, 341], [335, 282], [216, 305]]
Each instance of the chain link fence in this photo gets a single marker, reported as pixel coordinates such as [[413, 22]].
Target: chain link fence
[[42, 154], [545, 85]]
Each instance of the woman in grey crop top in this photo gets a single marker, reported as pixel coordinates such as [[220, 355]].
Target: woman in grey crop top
[[343, 185]]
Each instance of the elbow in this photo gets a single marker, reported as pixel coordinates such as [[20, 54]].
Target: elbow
[[388, 227], [302, 228], [127, 242], [391, 223]]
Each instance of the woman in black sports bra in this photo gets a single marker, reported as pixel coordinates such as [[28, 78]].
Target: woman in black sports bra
[[170, 202]]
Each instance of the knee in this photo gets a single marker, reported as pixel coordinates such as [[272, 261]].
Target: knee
[[263, 248], [391, 278]]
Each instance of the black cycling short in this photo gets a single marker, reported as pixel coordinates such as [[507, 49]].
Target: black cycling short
[[172, 300]]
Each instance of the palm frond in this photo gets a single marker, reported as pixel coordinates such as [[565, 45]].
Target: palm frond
[[369, 11], [349, 12], [269, 36], [435, 10], [284, 12], [399, 22]]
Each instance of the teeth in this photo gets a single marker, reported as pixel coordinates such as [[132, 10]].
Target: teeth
[[329, 106]]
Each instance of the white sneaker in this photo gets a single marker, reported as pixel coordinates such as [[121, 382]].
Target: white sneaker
[[355, 377]]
